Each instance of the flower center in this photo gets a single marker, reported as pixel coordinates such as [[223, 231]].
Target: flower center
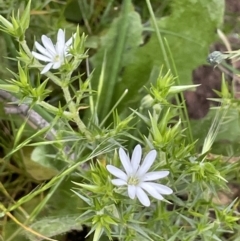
[[57, 58], [133, 181]]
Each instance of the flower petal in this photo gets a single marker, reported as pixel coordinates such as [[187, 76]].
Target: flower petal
[[42, 50], [147, 163], [60, 45], [124, 158], [48, 44], [46, 68], [162, 189], [151, 190], [150, 176], [142, 197], [132, 191], [41, 57], [61, 37], [118, 182], [136, 158], [57, 65], [117, 172]]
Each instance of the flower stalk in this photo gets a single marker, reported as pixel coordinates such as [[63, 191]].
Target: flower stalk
[[75, 115]]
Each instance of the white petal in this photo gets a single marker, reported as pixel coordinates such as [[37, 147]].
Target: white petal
[[117, 172], [61, 36], [132, 191], [142, 197], [118, 182], [151, 190], [60, 45], [136, 157], [46, 68], [147, 163], [41, 57], [124, 158], [57, 65], [150, 176], [42, 50], [48, 44], [161, 188]]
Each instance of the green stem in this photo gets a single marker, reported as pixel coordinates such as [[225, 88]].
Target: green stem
[[53, 181], [36, 210], [74, 112], [25, 48], [54, 78], [53, 109], [184, 112], [159, 37]]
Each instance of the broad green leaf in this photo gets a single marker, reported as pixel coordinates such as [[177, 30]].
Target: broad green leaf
[[52, 226], [9, 229], [61, 214], [38, 164], [64, 201], [188, 30], [118, 44], [72, 11]]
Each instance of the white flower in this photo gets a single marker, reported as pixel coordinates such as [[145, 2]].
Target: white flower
[[53, 54], [137, 177]]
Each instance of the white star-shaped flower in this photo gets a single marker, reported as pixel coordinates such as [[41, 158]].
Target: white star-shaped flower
[[137, 177], [53, 54]]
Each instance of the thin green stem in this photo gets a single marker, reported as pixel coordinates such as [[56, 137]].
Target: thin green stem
[[25, 48], [184, 113], [36, 210], [114, 107], [52, 181], [53, 109], [166, 59], [75, 115], [159, 37]]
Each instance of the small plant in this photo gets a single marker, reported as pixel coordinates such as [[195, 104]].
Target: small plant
[[69, 161]]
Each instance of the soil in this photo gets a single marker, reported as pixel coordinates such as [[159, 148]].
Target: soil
[[77, 235], [208, 76]]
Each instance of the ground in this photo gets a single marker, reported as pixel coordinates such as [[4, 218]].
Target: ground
[[208, 76]]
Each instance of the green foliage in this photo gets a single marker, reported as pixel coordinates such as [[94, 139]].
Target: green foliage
[[38, 164], [18, 25], [62, 128], [227, 115], [188, 30], [117, 49], [52, 226]]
